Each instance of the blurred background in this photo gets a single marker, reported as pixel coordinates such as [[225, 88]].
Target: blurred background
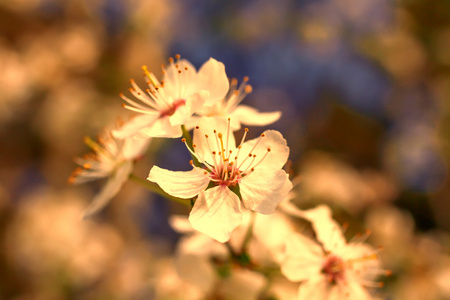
[[364, 87]]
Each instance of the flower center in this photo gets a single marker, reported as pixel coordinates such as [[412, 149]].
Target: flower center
[[334, 269], [227, 166], [171, 110], [229, 177]]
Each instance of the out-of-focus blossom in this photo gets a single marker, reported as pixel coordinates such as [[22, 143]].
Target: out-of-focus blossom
[[199, 260], [59, 52], [267, 244], [328, 179], [229, 107], [393, 229], [334, 268], [424, 273], [47, 239], [170, 103], [254, 167], [398, 50], [113, 159], [169, 284], [13, 83]]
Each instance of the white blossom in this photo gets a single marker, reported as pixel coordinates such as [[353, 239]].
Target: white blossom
[[112, 159], [230, 107], [166, 105], [252, 170], [197, 259], [333, 269]]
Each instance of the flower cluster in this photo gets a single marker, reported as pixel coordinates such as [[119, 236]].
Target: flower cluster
[[241, 225]]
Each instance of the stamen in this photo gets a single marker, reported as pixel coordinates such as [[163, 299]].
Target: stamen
[[187, 146], [256, 144], [240, 145], [212, 152], [228, 134], [150, 76], [268, 150], [142, 111], [217, 142]]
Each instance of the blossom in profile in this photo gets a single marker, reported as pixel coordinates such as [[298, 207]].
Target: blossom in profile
[[333, 269], [166, 105], [112, 159], [249, 175], [230, 107]]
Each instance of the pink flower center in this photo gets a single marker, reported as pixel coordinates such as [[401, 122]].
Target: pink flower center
[[171, 110], [228, 165], [229, 177], [334, 269]]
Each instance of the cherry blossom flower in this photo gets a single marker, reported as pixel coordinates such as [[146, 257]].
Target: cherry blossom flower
[[230, 107], [333, 269], [251, 170], [113, 159], [166, 105]]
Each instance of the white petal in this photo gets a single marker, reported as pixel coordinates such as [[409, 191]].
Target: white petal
[[212, 77], [317, 288], [134, 147], [350, 290], [262, 190], [180, 116], [136, 124], [111, 188], [249, 116], [291, 209], [180, 85], [180, 184], [304, 258], [272, 231], [202, 245], [216, 213], [206, 126], [196, 101], [366, 265], [275, 159], [327, 230], [181, 224], [162, 128]]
